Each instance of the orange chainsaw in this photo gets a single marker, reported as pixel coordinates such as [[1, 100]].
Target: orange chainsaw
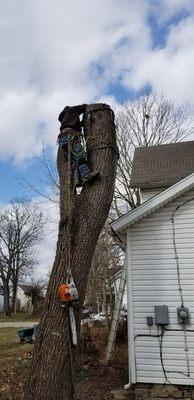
[[68, 295]]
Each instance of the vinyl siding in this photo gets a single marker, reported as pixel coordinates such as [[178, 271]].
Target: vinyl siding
[[154, 282]]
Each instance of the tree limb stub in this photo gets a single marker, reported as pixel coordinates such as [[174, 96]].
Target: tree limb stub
[[50, 377]]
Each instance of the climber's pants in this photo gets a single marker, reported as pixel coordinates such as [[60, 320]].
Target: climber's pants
[[78, 155]]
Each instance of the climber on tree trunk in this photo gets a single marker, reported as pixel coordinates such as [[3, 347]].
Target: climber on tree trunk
[[70, 133]]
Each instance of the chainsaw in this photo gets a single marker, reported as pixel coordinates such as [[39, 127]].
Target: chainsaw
[[68, 294]]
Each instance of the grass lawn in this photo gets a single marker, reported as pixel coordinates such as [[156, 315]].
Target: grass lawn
[[17, 317], [13, 364]]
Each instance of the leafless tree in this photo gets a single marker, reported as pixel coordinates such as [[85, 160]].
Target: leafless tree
[[21, 227], [106, 262], [147, 121], [48, 178]]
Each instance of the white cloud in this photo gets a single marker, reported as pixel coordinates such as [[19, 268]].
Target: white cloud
[[51, 53], [172, 7], [169, 70]]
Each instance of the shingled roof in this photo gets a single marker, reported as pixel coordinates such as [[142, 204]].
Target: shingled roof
[[162, 165]]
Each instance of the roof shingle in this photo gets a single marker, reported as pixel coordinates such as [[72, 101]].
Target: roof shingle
[[162, 165]]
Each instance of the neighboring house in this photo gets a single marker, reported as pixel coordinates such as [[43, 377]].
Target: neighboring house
[[28, 299], [159, 237], [31, 297], [25, 297], [2, 301]]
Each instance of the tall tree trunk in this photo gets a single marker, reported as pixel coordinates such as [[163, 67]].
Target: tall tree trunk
[[14, 292], [51, 375], [6, 294]]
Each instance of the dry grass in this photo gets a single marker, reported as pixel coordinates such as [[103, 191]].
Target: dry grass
[[13, 365], [17, 317], [94, 382], [9, 344]]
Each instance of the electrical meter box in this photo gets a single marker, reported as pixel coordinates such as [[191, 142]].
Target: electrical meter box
[[161, 315], [183, 315]]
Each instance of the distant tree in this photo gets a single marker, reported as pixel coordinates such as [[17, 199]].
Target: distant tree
[[106, 261], [48, 176], [147, 121], [21, 227], [36, 292]]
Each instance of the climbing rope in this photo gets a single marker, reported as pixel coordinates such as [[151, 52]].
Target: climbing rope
[[69, 208], [105, 145], [101, 144], [70, 189]]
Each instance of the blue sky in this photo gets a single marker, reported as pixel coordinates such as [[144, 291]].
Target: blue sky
[[62, 52]]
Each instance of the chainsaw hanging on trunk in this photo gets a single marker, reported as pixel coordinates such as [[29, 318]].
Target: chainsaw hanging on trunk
[[69, 296]]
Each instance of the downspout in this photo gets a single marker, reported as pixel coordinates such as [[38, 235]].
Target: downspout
[[124, 248]]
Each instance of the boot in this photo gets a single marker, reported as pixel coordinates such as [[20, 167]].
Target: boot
[[91, 177]]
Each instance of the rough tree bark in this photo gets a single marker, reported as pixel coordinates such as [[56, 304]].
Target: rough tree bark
[[50, 377]]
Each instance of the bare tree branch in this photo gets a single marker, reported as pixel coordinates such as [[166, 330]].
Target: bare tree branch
[[147, 121]]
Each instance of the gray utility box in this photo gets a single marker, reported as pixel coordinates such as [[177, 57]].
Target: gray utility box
[[161, 315]]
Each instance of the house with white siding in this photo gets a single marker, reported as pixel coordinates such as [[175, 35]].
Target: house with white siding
[[24, 297], [159, 239]]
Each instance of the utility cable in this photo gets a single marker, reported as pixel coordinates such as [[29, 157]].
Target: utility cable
[[178, 330], [161, 355], [162, 363], [175, 248], [186, 351], [160, 336], [147, 335], [179, 277]]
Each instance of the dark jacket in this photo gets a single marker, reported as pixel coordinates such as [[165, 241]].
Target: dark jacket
[[69, 117]]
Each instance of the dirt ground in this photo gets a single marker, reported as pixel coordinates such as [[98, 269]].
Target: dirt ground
[[94, 381], [98, 380]]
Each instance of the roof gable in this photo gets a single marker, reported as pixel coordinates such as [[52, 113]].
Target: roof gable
[[162, 165], [153, 204], [26, 289]]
